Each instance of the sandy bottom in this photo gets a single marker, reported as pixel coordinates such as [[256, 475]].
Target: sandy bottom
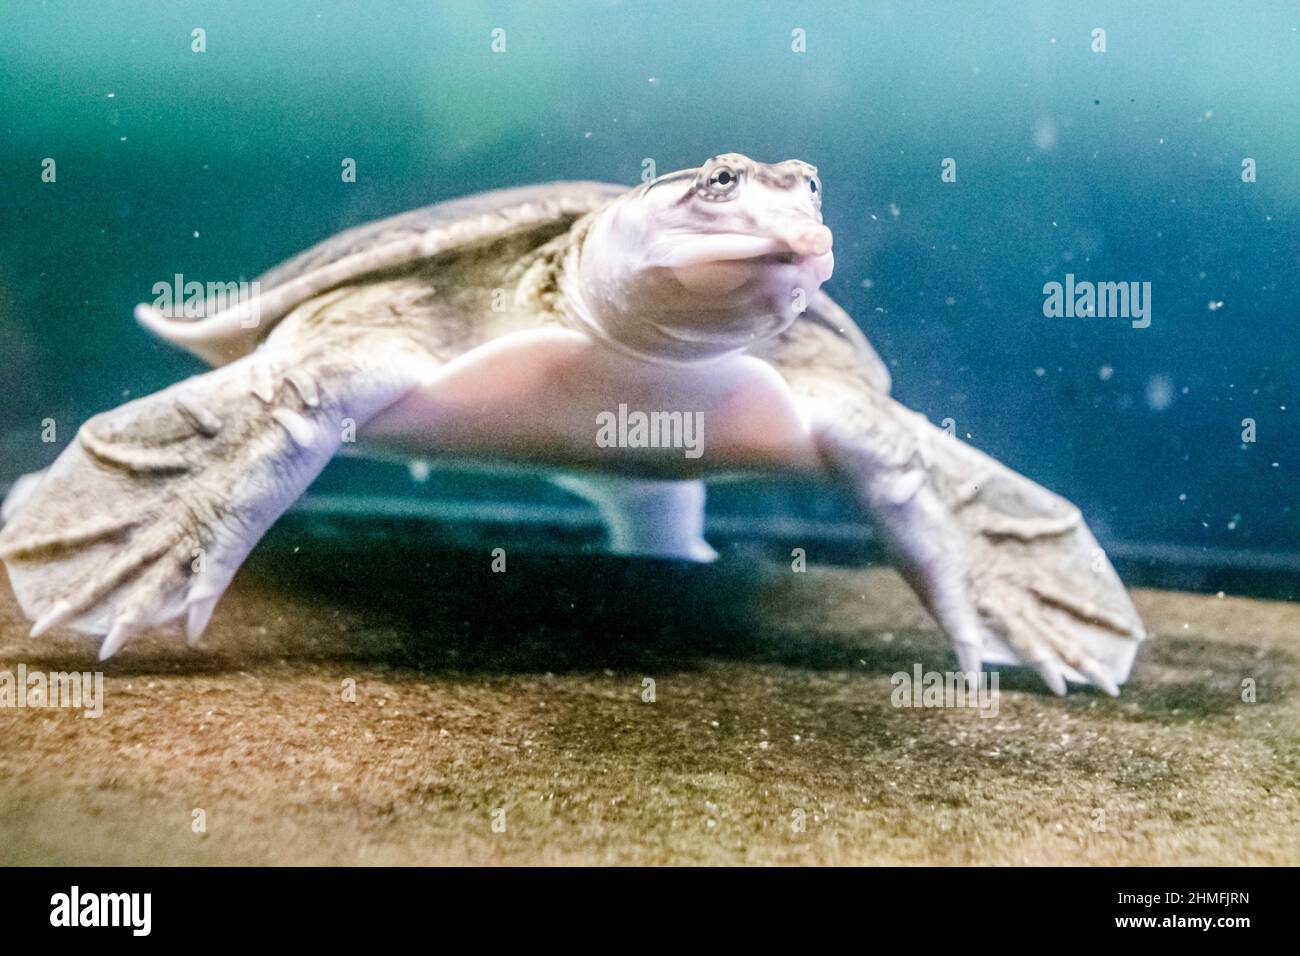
[[516, 699]]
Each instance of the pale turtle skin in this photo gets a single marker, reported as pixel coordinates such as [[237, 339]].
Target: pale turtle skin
[[498, 328]]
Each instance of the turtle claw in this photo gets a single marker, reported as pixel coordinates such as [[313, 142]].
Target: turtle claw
[[118, 636], [1097, 677], [1050, 671], [55, 616], [196, 622], [969, 659]]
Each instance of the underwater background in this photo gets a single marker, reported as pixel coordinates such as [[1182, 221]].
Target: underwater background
[[1124, 165]]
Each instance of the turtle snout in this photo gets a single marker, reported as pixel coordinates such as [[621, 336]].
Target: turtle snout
[[807, 239]]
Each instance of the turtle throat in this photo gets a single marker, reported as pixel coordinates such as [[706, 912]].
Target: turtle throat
[[600, 304]]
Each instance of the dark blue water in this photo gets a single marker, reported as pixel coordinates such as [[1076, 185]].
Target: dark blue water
[[1123, 165]]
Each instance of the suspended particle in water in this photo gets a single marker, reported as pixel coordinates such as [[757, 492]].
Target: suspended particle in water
[[1160, 393], [1045, 134]]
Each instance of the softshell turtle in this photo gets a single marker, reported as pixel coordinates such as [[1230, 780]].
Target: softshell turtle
[[506, 326]]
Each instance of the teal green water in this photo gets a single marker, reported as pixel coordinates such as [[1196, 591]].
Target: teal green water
[[1115, 166]]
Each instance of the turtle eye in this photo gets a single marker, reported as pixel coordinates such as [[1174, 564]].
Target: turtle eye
[[815, 187], [720, 182]]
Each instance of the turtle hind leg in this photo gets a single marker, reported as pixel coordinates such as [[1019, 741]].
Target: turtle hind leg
[[146, 516], [649, 518]]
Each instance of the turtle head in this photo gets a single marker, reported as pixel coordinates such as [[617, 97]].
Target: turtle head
[[707, 261]]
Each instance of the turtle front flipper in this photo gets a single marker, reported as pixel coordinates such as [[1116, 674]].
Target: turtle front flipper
[[1009, 569], [151, 510]]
